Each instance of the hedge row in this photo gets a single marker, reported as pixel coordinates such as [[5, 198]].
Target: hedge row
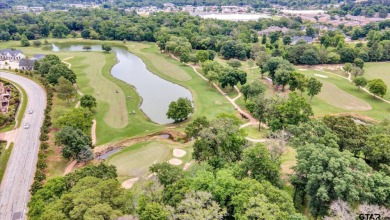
[[40, 175]]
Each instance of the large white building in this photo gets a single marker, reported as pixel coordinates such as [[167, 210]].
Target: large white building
[[11, 55]]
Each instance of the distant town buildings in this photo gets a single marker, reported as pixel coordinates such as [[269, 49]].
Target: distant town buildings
[[273, 29]]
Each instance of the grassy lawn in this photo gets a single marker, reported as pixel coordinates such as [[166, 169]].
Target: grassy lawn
[[342, 95], [288, 159], [381, 71], [5, 154], [136, 159], [253, 132]]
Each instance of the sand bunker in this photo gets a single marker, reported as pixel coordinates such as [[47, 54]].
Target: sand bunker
[[175, 161], [322, 76], [179, 152], [129, 183]]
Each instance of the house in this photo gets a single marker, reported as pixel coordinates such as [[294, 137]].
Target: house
[[21, 8], [5, 95], [11, 55], [26, 64], [307, 39]]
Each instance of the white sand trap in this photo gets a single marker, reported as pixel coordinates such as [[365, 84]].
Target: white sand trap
[[129, 183], [175, 161], [322, 76], [179, 152]]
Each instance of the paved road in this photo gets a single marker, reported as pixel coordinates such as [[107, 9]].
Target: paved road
[[19, 175]]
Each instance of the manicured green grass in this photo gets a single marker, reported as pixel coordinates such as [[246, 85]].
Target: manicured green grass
[[380, 110], [136, 159], [379, 70], [5, 154], [208, 101]]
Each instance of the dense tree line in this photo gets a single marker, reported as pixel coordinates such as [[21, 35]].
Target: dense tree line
[[365, 8], [343, 153]]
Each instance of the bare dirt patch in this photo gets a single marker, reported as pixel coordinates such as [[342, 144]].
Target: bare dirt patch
[[129, 183]]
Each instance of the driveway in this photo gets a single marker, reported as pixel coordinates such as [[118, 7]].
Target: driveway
[[19, 175]]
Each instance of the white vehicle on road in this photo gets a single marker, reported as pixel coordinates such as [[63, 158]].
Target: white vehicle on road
[[26, 126], [30, 111]]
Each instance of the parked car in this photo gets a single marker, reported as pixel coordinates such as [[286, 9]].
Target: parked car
[[26, 126]]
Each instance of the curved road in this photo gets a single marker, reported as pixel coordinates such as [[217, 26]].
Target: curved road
[[19, 175]]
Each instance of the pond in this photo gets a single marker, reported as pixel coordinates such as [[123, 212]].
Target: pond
[[156, 93]]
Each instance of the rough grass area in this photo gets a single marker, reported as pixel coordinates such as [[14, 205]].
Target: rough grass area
[[5, 154], [253, 132], [379, 70], [136, 159], [288, 160]]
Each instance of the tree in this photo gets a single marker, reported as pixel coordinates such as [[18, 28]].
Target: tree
[[231, 77], [180, 110], [360, 81], [166, 173], [377, 149], [351, 136], [58, 70], [312, 132], [220, 143], [203, 55], [73, 141], [234, 63], [282, 77], [88, 101], [297, 81], [24, 41], [78, 118], [198, 206], [37, 43], [359, 63], [264, 39], [154, 211], [313, 87], [258, 164], [377, 87], [258, 107], [65, 89], [310, 31], [347, 67], [357, 71], [326, 174], [252, 90], [86, 33], [273, 64], [310, 57], [106, 47], [193, 129], [287, 40], [273, 36], [284, 112]]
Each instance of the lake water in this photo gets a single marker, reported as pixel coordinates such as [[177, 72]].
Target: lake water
[[156, 93]]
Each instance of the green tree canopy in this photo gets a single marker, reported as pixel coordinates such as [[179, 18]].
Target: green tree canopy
[[88, 101], [377, 87], [78, 118], [180, 110]]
